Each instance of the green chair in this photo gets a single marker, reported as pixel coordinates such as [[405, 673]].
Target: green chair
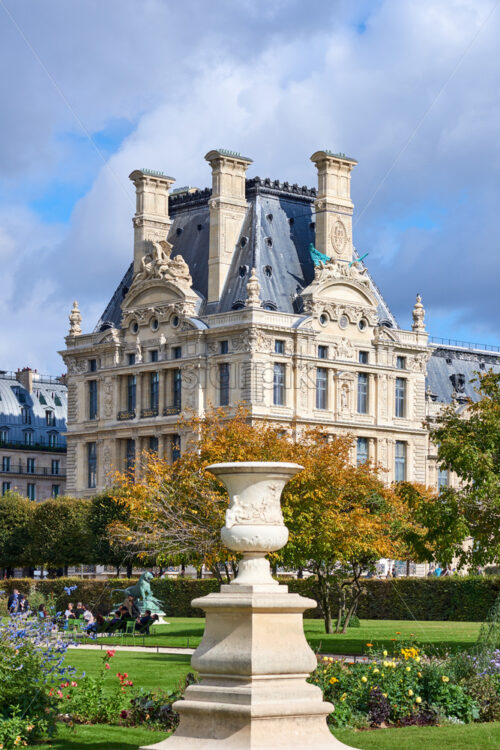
[[130, 629]]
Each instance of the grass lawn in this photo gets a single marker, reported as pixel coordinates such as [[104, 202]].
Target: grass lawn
[[150, 671], [185, 632], [477, 736]]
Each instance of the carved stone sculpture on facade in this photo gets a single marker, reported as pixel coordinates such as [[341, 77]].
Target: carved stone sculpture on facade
[[253, 290], [418, 315], [157, 263], [75, 320]]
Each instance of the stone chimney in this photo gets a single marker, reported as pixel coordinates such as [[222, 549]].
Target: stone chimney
[[151, 220], [227, 210], [333, 204], [25, 377]]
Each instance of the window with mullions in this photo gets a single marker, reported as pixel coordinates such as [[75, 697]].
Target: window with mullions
[[4, 435], [322, 352], [31, 491], [26, 415], [30, 466], [28, 437], [321, 387], [153, 355], [400, 395], [153, 444], [279, 346], [53, 437], [176, 352], [91, 465], [363, 358], [6, 463], [224, 347], [50, 418], [223, 384], [131, 392], [92, 399], [154, 389], [55, 466], [279, 384], [443, 479], [55, 490], [400, 461], [176, 389], [5, 487], [362, 393], [361, 450]]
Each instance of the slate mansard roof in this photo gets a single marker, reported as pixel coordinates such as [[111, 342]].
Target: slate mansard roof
[[455, 369], [275, 237], [48, 394]]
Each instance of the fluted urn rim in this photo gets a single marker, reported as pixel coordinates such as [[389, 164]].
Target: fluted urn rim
[[255, 467]]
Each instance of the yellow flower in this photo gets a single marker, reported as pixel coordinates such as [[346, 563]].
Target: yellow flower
[[385, 695], [445, 678], [364, 679], [384, 653], [410, 692], [382, 674], [418, 699], [376, 671], [417, 658], [333, 681], [343, 696], [330, 658], [385, 663], [408, 669], [419, 674]]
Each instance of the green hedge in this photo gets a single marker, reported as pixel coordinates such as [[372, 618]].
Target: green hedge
[[454, 598]]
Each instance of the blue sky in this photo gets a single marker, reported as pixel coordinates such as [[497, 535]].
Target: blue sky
[[91, 91]]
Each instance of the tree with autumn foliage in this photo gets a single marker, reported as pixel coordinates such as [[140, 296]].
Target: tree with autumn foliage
[[341, 517]]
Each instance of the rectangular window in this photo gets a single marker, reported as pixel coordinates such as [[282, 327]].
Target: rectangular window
[[153, 444], [401, 363], [43, 400], [154, 389], [4, 436], [130, 456], [361, 450], [52, 439], [131, 358], [30, 466], [322, 352], [28, 438], [92, 365], [57, 401], [55, 490], [321, 387], [92, 399], [363, 358], [55, 466], [50, 418], [400, 397], [5, 487], [6, 463], [443, 479], [362, 393], [153, 355], [26, 415], [176, 389], [279, 384], [91, 465], [131, 392], [279, 346], [176, 447], [223, 384], [31, 491], [224, 347], [400, 461], [176, 352]]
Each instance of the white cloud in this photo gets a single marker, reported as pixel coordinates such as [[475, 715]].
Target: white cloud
[[275, 85]]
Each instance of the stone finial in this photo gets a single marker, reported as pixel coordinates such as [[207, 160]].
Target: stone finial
[[253, 290], [418, 314], [75, 319]]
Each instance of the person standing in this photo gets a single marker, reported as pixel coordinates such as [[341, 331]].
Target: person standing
[[13, 602]]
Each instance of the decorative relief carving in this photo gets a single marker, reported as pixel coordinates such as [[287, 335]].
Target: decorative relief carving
[[106, 460], [338, 236], [157, 264], [190, 382], [266, 512], [108, 397], [76, 366], [344, 349]]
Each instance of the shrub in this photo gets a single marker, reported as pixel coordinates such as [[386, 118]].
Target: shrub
[[92, 699], [354, 622], [156, 708]]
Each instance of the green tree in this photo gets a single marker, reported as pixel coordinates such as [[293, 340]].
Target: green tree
[[61, 533], [469, 445], [15, 531], [105, 510]]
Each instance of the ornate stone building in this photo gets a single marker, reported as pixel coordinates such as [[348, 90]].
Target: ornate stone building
[[32, 434], [252, 291]]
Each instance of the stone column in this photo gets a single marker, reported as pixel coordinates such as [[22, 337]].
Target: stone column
[[138, 393], [161, 392], [254, 659]]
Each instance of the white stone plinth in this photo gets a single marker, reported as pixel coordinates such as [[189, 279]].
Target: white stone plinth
[[253, 660]]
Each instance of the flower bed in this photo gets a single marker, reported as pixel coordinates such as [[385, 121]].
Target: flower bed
[[406, 687]]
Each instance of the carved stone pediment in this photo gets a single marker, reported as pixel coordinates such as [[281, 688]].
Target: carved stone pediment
[[337, 284]]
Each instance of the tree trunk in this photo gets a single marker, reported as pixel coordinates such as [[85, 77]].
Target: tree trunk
[[357, 591], [300, 573], [199, 572], [341, 609], [324, 599], [407, 568], [118, 568], [129, 570]]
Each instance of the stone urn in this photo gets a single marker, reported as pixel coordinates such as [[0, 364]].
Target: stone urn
[[254, 521]]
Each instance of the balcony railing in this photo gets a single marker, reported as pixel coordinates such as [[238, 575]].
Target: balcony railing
[[169, 411], [43, 471], [128, 414], [39, 446], [149, 413]]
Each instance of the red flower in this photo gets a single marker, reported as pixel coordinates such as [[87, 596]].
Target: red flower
[[107, 666], [110, 653]]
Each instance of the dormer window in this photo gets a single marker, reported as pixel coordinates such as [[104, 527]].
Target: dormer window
[[50, 417]]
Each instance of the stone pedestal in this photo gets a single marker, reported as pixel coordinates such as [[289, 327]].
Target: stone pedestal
[[253, 660]]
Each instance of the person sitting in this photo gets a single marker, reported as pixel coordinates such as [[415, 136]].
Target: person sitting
[[133, 611], [23, 605], [118, 621], [87, 616], [145, 621], [98, 625], [13, 602], [80, 609], [69, 613], [42, 612]]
